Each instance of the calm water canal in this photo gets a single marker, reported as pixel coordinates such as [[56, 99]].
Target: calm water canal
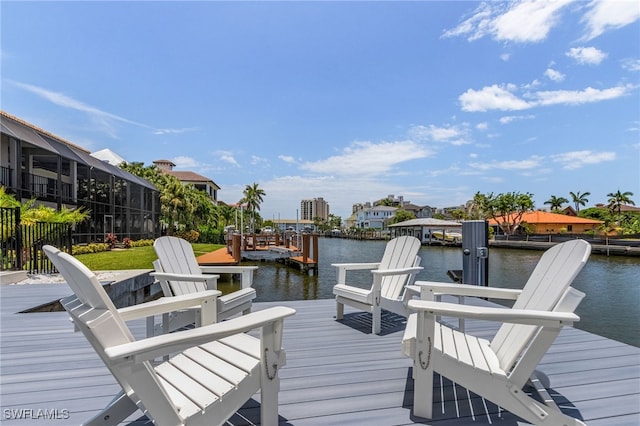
[[612, 284]]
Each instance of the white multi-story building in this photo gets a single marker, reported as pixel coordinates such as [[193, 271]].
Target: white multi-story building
[[374, 217], [311, 209]]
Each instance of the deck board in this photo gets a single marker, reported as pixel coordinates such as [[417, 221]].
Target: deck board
[[336, 372]]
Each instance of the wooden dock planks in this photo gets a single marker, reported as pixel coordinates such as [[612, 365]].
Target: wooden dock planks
[[336, 372]]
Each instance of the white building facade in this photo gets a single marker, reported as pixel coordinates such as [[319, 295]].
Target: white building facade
[[374, 217]]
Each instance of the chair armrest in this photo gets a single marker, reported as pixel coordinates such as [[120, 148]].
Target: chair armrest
[[387, 272], [432, 288], [356, 266], [342, 269], [246, 272], [518, 316], [168, 304], [158, 346], [184, 277]]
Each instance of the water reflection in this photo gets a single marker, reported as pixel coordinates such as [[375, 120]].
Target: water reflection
[[611, 283]]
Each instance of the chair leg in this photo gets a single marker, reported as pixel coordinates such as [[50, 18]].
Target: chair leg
[[339, 310], [376, 320], [422, 391], [115, 412]]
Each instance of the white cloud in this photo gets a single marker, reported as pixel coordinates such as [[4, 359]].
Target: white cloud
[[103, 120], [186, 162], [503, 98], [528, 21], [510, 118], [226, 156], [554, 75], [475, 27], [609, 15], [173, 131], [367, 158], [577, 159], [455, 135], [482, 126], [631, 64], [256, 160], [530, 163], [492, 97], [523, 21], [576, 97], [586, 55], [287, 158]]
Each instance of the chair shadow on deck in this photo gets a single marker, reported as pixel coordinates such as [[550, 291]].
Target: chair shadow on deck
[[464, 407], [247, 415], [361, 321]]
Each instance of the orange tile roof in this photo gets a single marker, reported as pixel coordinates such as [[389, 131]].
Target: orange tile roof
[[540, 216]]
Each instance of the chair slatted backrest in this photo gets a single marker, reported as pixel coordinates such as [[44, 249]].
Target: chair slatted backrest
[[177, 257], [95, 315], [400, 252], [552, 276]]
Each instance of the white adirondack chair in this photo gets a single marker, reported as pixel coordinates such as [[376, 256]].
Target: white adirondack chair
[[391, 276], [497, 370], [178, 273], [213, 369]]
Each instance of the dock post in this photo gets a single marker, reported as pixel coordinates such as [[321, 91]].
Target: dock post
[[236, 247], [305, 247], [475, 252], [315, 249]]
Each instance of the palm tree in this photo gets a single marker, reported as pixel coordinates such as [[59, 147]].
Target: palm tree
[[226, 214], [617, 199], [174, 204], [556, 202], [579, 199], [252, 199]]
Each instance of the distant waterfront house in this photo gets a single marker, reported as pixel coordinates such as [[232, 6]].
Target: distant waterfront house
[[37, 164], [374, 217], [200, 182], [541, 222]]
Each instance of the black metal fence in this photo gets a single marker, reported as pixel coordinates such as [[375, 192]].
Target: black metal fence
[[21, 244]]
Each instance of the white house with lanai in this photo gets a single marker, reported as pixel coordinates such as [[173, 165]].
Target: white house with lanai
[[374, 217]]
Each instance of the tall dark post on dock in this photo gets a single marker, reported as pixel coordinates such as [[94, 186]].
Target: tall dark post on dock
[[236, 247], [306, 245], [475, 252]]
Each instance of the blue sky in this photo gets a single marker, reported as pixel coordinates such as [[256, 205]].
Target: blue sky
[[349, 101]]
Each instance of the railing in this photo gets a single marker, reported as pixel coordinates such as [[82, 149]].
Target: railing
[[5, 177], [22, 244], [45, 188], [10, 239]]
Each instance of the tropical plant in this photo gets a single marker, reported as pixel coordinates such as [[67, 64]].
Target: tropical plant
[[174, 204], [335, 221], [401, 215], [182, 206], [556, 202], [618, 199], [226, 215], [7, 200], [506, 209], [31, 213], [579, 199], [476, 209], [253, 197]]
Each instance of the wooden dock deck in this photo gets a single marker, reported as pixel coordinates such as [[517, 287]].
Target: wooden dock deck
[[337, 373]]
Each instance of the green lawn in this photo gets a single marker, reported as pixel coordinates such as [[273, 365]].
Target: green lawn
[[132, 258]]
